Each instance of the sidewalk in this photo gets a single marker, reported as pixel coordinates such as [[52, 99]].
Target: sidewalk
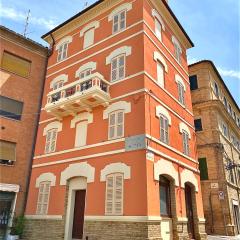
[[223, 237]]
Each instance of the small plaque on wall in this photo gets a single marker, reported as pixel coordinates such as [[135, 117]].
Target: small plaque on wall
[[135, 143], [214, 185]]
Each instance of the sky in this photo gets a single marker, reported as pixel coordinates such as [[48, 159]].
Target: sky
[[213, 26]]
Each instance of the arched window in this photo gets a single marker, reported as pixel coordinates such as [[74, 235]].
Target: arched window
[[43, 198], [165, 196], [62, 48]]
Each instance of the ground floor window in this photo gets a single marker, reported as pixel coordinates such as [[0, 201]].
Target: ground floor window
[[165, 199]]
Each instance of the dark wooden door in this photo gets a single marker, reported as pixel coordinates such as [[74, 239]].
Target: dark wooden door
[[78, 219], [189, 210]]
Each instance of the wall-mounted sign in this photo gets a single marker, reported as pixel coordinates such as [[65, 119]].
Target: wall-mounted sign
[[135, 143], [221, 195], [214, 185], [150, 156]]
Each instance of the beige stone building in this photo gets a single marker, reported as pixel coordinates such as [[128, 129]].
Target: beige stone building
[[22, 72], [217, 124]]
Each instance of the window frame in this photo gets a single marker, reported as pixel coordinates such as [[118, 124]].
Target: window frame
[[186, 145], [84, 72], [58, 84], [50, 141], [117, 58], [156, 21], [216, 90], [8, 161], [161, 82], [119, 21], [164, 128], [164, 182], [181, 93], [41, 203], [85, 44], [194, 80], [204, 167], [196, 121], [115, 125], [60, 57]]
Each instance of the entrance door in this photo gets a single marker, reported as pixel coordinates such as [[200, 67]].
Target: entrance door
[[78, 219], [189, 210], [237, 217]]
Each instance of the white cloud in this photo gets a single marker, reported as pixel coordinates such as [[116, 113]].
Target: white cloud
[[191, 60], [229, 73], [15, 15]]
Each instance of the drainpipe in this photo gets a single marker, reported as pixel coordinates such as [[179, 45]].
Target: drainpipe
[[36, 124]]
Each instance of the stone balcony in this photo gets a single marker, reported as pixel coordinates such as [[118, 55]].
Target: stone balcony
[[81, 95]]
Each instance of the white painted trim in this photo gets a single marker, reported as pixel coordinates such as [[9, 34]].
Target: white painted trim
[[160, 110], [184, 127], [122, 105], [68, 160], [46, 177], [56, 124], [165, 167], [89, 65], [159, 153], [201, 220], [156, 15], [180, 80], [62, 77], [67, 39], [188, 176], [115, 168], [123, 218], [81, 148], [47, 217], [125, 6], [170, 148], [158, 57], [182, 219], [175, 41], [47, 120], [81, 117], [94, 24], [78, 170], [127, 50], [5, 187]]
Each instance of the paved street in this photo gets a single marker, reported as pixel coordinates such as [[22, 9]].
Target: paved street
[[223, 238]]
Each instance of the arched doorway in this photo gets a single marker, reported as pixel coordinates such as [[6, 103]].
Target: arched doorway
[[189, 200]]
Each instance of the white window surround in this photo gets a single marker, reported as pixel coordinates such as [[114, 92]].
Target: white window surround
[[160, 110], [94, 25], [89, 65], [62, 77], [188, 176], [156, 15], [184, 127], [53, 125], [158, 57], [164, 167], [127, 50], [67, 39], [115, 168], [81, 117], [176, 42], [180, 80], [125, 6], [82, 169], [122, 105], [6, 187], [46, 177]]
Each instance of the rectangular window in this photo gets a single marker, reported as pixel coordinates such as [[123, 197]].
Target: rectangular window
[[177, 52], [164, 135], [158, 29], [225, 102], [185, 137], [119, 22], [165, 200], [198, 124], [225, 130], [88, 38], [160, 74], [10, 108], [85, 73], [15, 64], [51, 140], [181, 97], [216, 90], [114, 194], [7, 152], [193, 82], [203, 168], [116, 125], [118, 68], [62, 52], [43, 198]]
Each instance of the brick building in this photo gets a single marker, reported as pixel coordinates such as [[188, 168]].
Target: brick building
[[115, 155], [217, 123], [23, 64]]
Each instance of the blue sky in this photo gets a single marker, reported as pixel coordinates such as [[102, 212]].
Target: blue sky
[[214, 27]]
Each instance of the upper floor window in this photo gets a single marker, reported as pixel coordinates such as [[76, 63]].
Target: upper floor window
[[185, 137], [85, 73], [116, 125], [165, 197], [7, 152], [230, 109], [118, 17], [234, 116], [62, 48], [164, 129], [177, 49], [238, 122], [162, 67], [16, 64], [216, 90], [225, 102], [51, 139], [43, 198], [193, 82], [181, 94], [118, 68], [58, 81], [225, 130], [10, 108], [114, 194], [198, 124], [58, 84], [159, 24]]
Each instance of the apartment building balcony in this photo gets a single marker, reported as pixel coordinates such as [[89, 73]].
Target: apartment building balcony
[[83, 94]]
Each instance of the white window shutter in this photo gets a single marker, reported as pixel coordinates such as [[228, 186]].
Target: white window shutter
[[160, 74], [120, 124], [118, 206], [88, 38], [53, 140], [48, 138], [43, 198], [158, 29], [109, 195]]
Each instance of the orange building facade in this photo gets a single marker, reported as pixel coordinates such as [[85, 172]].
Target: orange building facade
[[115, 156]]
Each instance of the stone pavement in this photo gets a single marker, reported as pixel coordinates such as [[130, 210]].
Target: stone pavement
[[223, 238]]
